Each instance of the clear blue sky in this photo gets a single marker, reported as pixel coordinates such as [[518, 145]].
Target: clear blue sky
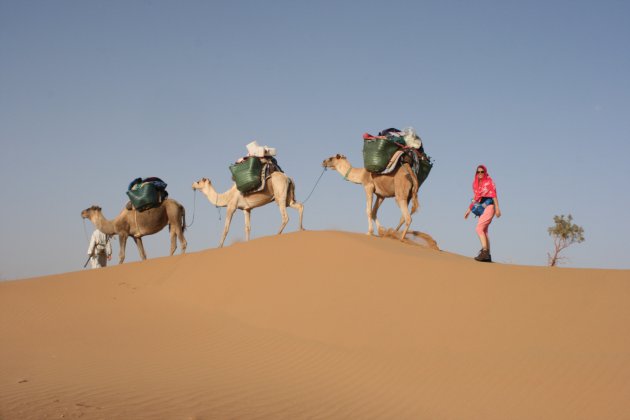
[[96, 93]]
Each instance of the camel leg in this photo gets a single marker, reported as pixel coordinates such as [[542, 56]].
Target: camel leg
[[285, 217], [177, 225], [122, 240], [402, 218], [402, 203], [173, 236], [182, 240], [294, 204], [140, 246], [248, 224], [282, 195], [368, 208], [300, 208], [377, 205], [414, 206], [228, 219], [412, 197]]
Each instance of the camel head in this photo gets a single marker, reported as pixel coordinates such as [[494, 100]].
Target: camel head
[[87, 213], [331, 162], [201, 183]]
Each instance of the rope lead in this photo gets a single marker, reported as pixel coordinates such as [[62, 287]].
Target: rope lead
[[317, 182], [194, 208]]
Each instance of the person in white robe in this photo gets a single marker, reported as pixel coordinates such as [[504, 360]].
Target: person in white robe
[[100, 249]]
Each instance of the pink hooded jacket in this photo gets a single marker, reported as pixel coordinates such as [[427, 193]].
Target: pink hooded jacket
[[483, 187]]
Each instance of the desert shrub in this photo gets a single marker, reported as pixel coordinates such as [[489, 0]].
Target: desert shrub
[[564, 233]]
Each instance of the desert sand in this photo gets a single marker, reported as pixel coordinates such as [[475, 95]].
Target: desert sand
[[317, 325]]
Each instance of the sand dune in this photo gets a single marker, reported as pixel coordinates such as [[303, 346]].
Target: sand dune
[[317, 325]]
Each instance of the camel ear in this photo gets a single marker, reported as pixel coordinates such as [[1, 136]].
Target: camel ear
[[338, 156]]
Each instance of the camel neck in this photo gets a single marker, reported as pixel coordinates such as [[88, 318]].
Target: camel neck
[[104, 225], [349, 173], [219, 200]]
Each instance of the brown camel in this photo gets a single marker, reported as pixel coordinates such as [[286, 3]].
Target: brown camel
[[401, 183], [138, 224], [278, 187]]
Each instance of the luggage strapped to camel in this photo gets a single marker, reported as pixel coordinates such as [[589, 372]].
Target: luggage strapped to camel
[[250, 173], [383, 153], [146, 193]]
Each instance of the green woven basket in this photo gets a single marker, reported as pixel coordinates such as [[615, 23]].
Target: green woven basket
[[247, 174], [377, 153], [144, 196], [423, 170]]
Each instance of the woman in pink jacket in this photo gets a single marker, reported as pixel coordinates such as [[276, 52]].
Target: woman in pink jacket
[[486, 196]]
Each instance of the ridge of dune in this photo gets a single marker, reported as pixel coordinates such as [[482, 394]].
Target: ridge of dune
[[317, 324]]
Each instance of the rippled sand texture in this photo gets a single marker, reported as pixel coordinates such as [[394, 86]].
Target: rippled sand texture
[[318, 325]]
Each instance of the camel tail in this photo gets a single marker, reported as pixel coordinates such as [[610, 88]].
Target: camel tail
[[414, 195], [414, 202], [183, 222], [291, 194], [414, 191]]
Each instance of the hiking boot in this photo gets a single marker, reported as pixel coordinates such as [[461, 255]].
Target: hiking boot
[[484, 256]]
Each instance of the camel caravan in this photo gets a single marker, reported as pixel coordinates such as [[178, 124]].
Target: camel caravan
[[395, 166]]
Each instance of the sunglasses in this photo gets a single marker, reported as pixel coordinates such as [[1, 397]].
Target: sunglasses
[[481, 172]]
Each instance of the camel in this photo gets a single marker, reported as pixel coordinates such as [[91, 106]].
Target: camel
[[278, 187], [138, 224], [401, 183]]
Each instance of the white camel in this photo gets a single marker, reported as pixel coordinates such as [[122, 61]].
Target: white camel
[[278, 187]]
